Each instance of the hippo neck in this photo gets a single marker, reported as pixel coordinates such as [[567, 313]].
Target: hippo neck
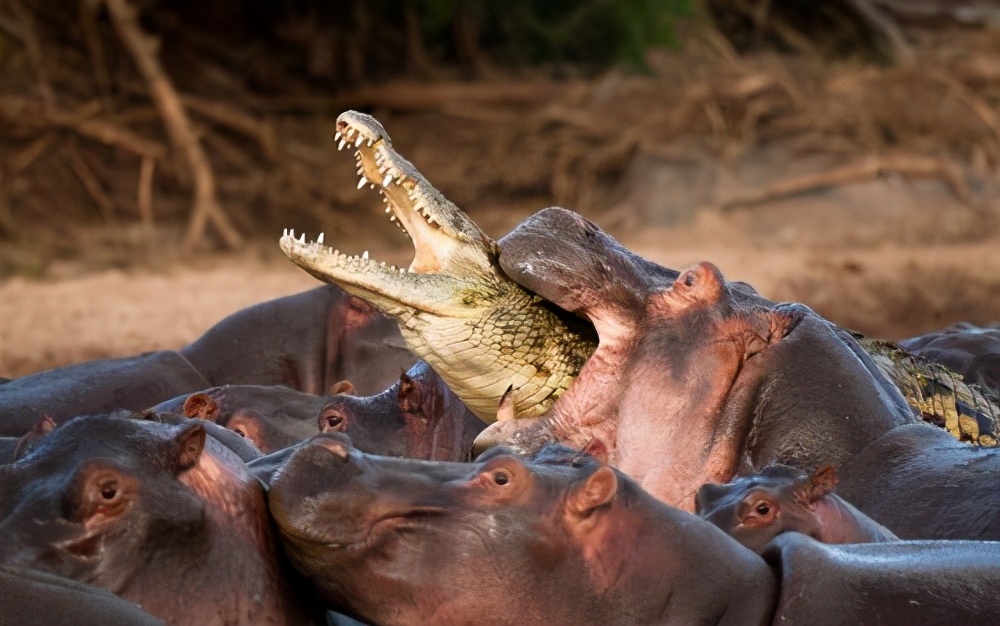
[[237, 577], [835, 520], [639, 536]]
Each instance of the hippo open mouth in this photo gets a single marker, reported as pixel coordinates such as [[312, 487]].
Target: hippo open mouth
[[446, 242]]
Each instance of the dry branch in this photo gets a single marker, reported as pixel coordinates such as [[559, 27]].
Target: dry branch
[[206, 205], [90, 182], [868, 168], [145, 193]]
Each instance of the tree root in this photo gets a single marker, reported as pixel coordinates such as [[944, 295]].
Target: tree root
[[206, 206]]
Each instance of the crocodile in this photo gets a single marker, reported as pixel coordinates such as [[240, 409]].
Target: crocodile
[[455, 307], [483, 332]]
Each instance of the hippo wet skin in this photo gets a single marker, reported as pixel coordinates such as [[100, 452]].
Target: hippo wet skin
[[557, 539], [160, 515], [31, 598], [755, 509], [308, 341], [911, 583], [132, 383], [418, 417]]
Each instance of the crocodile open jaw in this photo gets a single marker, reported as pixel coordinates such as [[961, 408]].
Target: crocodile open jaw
[[455, 307]]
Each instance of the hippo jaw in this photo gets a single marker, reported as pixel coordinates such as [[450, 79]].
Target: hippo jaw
[[456, 308]]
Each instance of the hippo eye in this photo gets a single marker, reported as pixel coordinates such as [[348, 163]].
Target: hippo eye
[[109, 490], [239, 430], [501, 477], [689, 279], [334, 420], [762, 508]]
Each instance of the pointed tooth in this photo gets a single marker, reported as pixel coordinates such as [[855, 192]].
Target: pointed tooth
[[381, 264], [361, 171], [357, 144], [285, 234], [370, 142], [302, 239], [388, 209], [392, 218], [365, 255], [387, 180], [320, 238], [340, 146], [336, 253], [337, 136], [291, 233], [361, 183]]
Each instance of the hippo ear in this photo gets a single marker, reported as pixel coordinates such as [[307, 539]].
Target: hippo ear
[[505, 410], [189, 441], [343, 387], [201, 406], [818, 486], [599, 489], [408, 397], [28, 442]]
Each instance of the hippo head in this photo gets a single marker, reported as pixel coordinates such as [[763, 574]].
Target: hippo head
[[418, 417], [96, 492], [694, 377], [753, 510], [269, 416], [419, 541]]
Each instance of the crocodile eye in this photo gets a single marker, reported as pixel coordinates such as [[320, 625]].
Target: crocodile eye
[[501, 477]]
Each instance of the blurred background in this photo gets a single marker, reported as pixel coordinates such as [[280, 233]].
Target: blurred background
[[845, 153]]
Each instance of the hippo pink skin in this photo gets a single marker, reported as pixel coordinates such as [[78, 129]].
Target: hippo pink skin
[[418, 417], [966, 349], [557, 539], [94, 387], [32, 598], [916, 583], [695, 379], [269, 416], [755, 509], [159, 515], [923, 484], [308, 342]]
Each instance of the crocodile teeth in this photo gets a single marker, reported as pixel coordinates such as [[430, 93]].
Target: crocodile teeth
[[387, 180], [340, 146], [371, 142], [320, 238], [361, 183], [302, 239], [357, 144], [365, 255]]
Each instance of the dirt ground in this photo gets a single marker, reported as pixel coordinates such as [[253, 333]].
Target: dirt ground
[[874, 276]]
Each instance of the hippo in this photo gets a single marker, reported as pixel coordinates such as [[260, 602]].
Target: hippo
[[917, 583], [700, 380], [921, 483], [755, 509], [307, 341], [132, 383], [418, 417], [574, 541], [969, 350], [32, 598], [696, 379], [269, 416], [160, 515], [556, 539]]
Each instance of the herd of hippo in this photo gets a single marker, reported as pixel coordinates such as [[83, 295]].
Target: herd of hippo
[[548, 429]]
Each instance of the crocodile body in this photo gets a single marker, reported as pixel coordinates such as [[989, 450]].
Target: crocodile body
[[483, 333]]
